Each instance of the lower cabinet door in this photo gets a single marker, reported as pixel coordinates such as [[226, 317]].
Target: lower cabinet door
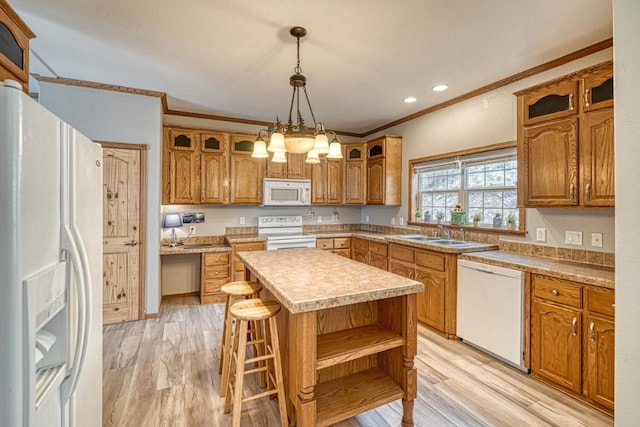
[[431, 302], [556, 344], [599, 375]]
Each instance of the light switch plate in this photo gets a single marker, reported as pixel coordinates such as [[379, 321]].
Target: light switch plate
[[401, 221], [541, 234], [573, 238], [242, 220], [393, 220]]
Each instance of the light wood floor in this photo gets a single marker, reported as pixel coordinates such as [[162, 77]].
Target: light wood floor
[[164, 372]]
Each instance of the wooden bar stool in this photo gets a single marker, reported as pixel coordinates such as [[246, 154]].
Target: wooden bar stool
[[233, 292], [263, 313]]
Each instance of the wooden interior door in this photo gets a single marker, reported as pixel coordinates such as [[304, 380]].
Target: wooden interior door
[[121, 235]]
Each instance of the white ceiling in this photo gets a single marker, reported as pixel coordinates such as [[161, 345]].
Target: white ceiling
[[361, 57]]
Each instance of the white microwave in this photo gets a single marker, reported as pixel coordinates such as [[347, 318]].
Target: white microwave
[[286, 192]]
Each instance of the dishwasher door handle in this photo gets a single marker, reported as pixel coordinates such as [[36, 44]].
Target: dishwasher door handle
[[485, 270]]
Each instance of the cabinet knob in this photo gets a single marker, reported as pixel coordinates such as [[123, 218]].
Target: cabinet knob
[[554, 293], [592, 331], [572, 193], [588, 191], [574, 323], [570, 101]]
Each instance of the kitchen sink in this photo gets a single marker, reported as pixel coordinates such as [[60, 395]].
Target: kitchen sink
[[433, 240], [419, 237]]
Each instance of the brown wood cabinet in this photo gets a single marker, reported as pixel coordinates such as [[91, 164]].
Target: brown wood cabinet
[[294, 167], [370, 252], [214, 273], [438, 272], [327, 182], [572, 338], [238, 270], [565, 140], [246, 172], [195, 167], [14, 51], [337, 245], [384, 171], [355, 173]]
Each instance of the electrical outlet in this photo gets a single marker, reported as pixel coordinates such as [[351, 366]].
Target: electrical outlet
[[393, 220], [401, 221], [192, 230], [319, 219], [366, 218], [596, 240], [541, 234], [242, 220], [573, 238]]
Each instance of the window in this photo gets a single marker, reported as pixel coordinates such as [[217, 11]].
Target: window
[[484, 184]]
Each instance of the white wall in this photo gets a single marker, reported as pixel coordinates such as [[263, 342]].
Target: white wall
[[487, 119], [626, 15], [120, 117]]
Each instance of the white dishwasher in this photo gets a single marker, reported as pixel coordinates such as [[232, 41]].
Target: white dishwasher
[[490, 313]]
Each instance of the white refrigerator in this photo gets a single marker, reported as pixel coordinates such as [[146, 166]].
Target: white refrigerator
[[50, 268]]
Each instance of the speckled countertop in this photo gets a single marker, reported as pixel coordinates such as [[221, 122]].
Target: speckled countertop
[[244, 238], [583, 273], [194, 248], [312, 279]]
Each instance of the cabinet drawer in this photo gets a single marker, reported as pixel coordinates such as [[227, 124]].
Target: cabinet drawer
[[401, 269], [378, 248], [343, 252], [215, 258], [212, 286], [238, 265], [361, 245], [600, 301], [216, 271], [432, 260], [324, 243], [255, 246], [342, 243], [402, 253], [557, 290], [379, 262]]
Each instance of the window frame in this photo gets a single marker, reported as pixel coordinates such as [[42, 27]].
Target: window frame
[[452, 157]]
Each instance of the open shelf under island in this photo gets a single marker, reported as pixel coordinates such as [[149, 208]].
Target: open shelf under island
[[348, 332]]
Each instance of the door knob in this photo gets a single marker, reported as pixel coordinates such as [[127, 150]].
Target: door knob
[[131, 243]]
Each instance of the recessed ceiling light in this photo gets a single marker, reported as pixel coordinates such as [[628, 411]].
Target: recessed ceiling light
[[439, 88], [409, 100]]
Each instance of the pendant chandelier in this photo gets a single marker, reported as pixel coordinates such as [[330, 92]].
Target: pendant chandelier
[[295, 137]]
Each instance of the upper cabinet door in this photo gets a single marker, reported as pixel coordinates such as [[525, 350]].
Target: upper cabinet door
[[597, 165], [597, 90], [183, 139], [548, 169], [555, 100]]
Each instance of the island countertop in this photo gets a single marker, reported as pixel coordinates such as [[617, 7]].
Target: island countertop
[[311, 279]]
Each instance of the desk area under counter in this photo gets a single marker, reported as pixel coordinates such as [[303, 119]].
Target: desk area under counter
[[201, 265]]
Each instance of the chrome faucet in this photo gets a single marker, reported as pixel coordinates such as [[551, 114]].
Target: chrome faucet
[[462, 234], [446, 231]]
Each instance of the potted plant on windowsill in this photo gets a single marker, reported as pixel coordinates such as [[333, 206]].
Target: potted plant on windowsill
[[418, 216], [511, 222], [477, 218]]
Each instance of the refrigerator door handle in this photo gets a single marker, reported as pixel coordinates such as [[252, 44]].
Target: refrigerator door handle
[[72, 242]]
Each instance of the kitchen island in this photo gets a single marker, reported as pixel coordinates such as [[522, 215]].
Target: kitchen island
[[348, 332]]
